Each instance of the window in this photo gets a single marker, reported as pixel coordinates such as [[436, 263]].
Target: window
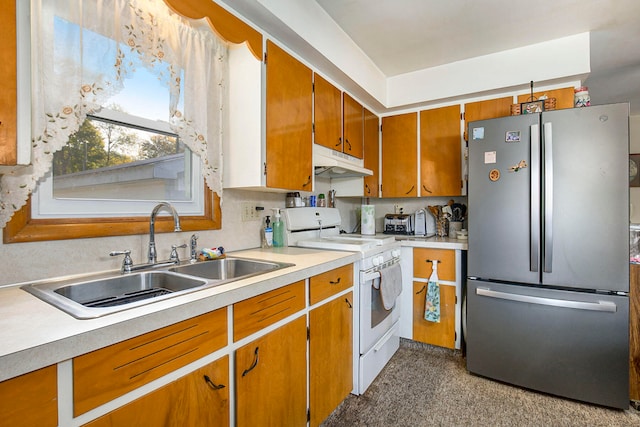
[[119, 157]]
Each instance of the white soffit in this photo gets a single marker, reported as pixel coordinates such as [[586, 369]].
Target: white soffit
[[565, 58], [315, 26]]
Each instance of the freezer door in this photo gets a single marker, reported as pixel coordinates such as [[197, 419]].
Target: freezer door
[[570, 344], [586, 197], [504, 199]]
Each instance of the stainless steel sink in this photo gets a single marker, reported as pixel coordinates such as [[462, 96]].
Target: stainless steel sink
[[229, 268], [94, 296]]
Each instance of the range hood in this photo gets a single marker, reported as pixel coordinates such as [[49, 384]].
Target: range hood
[[329, 163]]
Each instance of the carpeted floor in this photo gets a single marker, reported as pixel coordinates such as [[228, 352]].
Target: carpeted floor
[[430, 386]]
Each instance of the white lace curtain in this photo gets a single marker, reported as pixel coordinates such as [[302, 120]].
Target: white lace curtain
[[75, 73]]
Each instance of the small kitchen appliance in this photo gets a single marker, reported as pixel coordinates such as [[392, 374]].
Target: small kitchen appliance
[[420, 223], [398, 224]]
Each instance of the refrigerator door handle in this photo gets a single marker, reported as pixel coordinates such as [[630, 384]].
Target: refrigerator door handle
[[604, 306], [548, 197], [534, 230]]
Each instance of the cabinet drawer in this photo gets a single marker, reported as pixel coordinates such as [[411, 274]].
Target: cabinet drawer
[[102, 375], [200, 398], [326, 284], [446, 266], [255, 313], [30, 399]]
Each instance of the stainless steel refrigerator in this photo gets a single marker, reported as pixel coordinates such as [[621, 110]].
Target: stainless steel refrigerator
[[548, 261]]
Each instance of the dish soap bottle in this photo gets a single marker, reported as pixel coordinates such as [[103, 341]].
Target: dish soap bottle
[[267, 234], [278, 229]]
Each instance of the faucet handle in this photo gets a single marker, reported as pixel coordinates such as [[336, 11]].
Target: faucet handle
[[174, 252], [127, 262]]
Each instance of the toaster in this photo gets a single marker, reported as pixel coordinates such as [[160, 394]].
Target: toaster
[[398, 224]]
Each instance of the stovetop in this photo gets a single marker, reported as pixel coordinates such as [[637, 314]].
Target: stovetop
[[350, 242]]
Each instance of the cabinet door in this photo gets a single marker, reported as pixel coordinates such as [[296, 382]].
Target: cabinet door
[[440, 152], [271, 378], [634, 332], [8, 84], [488, 109], [443, 333], [330, 356], [30, 399], [399, 155], [289, 121], [371, 153], [353, 127], [327, 112], [564, 97], [200, 398]]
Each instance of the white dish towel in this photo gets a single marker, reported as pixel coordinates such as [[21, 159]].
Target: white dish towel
[[390, 285]]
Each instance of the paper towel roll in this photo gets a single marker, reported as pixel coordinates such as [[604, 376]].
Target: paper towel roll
[[367, 219]]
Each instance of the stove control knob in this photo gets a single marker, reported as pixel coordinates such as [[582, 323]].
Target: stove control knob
[[395, 253], [377, 260]]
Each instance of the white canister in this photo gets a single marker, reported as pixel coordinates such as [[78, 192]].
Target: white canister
[[367, 219]]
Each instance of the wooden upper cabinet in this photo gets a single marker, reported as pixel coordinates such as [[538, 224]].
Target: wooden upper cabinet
[[399, 149], [440, 151], [289, 104], [353, 127], [8, 85], [327, 102], [564, 97], [488, 109], [371, 153]]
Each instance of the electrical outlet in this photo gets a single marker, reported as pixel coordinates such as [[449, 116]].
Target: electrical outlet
[[398, 209], [249, 212]]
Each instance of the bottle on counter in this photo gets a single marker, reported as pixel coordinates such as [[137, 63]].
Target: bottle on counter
[[322, 202], [267, 234], [278, 229]]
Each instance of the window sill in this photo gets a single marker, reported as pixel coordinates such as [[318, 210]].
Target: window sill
[[22, 228]]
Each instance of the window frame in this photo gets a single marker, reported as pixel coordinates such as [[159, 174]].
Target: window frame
[[24, 228]]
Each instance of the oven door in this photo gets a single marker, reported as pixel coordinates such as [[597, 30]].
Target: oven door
[[375, 321]]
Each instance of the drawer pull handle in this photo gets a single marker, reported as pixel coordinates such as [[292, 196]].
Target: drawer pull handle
[[337, 282], [432, 260], [254, 364], [348, 302], [420, 291], [211, 383]]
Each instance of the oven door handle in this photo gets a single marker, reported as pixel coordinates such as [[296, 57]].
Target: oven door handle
[[386, 337]]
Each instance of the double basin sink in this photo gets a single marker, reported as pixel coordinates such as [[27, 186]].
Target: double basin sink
[[96, 296]]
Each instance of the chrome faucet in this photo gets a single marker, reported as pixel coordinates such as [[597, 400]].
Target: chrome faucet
[[152, 227]]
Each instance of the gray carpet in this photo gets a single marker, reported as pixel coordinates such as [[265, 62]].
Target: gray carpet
[[430, 386]]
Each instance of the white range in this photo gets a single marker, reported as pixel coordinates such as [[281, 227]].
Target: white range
[[378, 338]]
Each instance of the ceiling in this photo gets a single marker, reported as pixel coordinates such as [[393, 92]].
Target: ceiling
[[402, 36]]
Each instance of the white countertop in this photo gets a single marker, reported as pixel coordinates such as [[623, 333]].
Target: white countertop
[[433, 242], [35, 334]]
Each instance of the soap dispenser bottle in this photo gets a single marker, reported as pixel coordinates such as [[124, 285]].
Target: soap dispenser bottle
[[278, 229], [267, 234]]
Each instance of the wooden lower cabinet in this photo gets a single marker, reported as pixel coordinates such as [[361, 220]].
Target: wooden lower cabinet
[[30, 399], [634, 332], [200, 398], [271, 378], [443, 333], [330, 356]]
